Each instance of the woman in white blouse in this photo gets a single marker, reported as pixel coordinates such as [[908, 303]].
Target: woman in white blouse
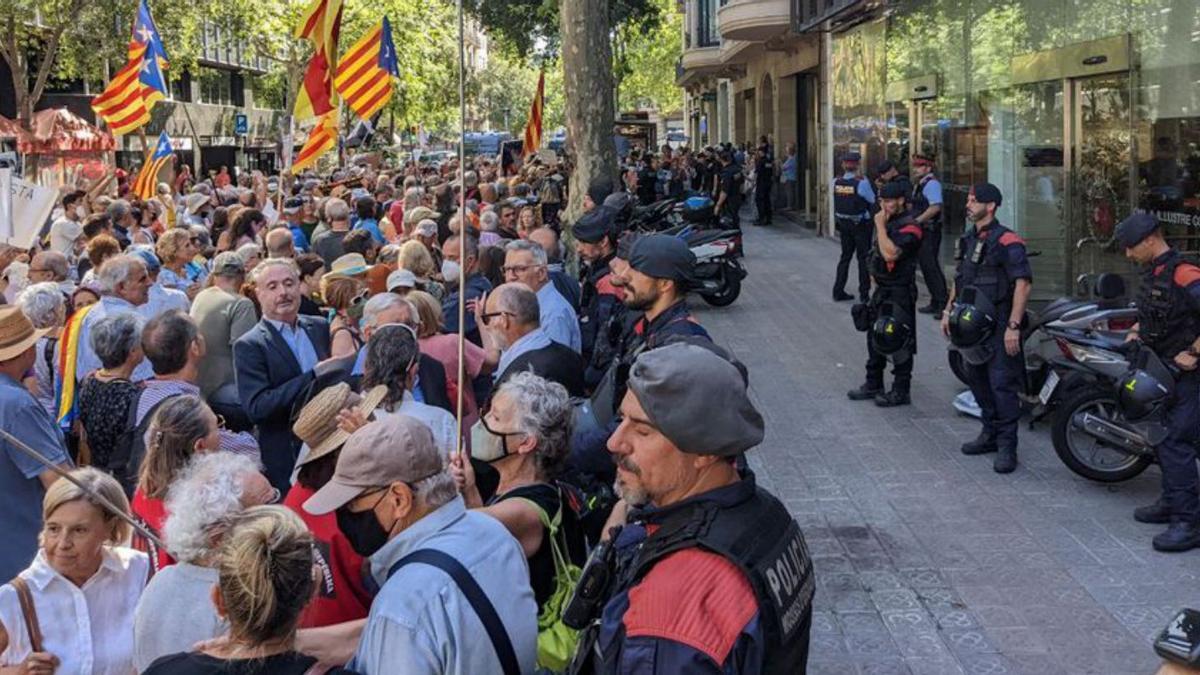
[[84, 585]]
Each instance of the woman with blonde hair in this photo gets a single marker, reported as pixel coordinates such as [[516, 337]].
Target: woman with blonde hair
[[265, 578], [84, 583], [346, 296], [176, 249], [415, 258]]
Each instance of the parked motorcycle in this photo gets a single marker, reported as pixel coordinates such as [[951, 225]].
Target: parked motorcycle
[[1046, 381], [1091, 434]]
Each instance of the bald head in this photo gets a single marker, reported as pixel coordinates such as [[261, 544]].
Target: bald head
[[48, 266], [280, 243], [548, 240]]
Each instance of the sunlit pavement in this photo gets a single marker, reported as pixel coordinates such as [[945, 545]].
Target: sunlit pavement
[[926, 560]]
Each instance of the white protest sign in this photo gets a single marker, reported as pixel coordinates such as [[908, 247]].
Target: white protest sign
[[27, 206]]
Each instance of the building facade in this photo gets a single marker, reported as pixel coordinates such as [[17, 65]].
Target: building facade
[[1081, 112]]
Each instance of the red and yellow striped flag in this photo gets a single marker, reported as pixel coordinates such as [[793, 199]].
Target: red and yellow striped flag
[[364, 73], [321, 24], [147, 178], [122, 104], [533, 128], [320, 140]]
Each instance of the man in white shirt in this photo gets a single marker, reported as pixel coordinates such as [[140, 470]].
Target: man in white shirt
[[124, 284], [66, 231], [392, 353]]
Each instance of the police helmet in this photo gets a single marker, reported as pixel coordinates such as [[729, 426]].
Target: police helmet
[[972, 323], [1141, 395], [891, 335]]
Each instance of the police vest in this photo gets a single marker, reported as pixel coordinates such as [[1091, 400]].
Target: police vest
[[901, 273], [847, 203], [762, 539], [981, 264], [1166, 322], [920, 202]]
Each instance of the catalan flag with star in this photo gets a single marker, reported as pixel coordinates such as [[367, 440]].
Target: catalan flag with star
[[147, 178], [132, 92], [365, 72]]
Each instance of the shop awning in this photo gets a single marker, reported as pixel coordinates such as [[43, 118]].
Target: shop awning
[[56, 130]]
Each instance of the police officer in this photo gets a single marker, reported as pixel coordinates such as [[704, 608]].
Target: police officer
[[886, 172], [853, 198], [1169, 324], [729, 189], [764, 180], [992, 259], [595, 244], [893, 266], [927, 211], [707, 571]]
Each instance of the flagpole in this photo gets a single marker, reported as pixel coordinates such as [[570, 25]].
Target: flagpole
[[462, 225]]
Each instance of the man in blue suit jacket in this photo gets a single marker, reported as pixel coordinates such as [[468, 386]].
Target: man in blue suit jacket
[[280, 363]]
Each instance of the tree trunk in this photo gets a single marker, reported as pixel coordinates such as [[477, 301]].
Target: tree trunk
[[588, 85]]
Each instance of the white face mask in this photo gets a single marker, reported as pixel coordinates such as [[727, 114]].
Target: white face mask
[[485, 445], [451, 272], [81, 212]]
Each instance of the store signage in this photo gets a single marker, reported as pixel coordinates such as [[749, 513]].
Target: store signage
[[181, 143], [1184, 218], [224, 140]]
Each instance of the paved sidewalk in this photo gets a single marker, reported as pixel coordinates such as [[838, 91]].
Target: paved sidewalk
[[926, 560]]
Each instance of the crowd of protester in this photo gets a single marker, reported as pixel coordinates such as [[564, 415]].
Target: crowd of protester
[[265, 380]]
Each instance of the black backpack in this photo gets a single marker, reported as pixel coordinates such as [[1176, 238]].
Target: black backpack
[[130, 450]]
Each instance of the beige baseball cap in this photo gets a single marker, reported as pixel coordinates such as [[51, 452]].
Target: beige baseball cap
[[397, 448]]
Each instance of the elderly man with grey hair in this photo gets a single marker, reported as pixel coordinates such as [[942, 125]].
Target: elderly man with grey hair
[[509, 321], [567, 285], [52, 266], [120, 212], [429, 385], [45, 307], [124, 287], [281, 243], [209, 492], [328, 244], [526, 262]]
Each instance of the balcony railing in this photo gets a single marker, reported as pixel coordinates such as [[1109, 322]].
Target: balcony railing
[[808, 14]]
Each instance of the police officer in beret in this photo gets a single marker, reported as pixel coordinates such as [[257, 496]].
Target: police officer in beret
[[596, 246], [853, 198], [893, 266], [706, 571], [992, 260], [1169, 324]]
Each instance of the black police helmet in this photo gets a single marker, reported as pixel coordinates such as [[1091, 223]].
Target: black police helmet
[[889, 335], [1140, 395], [972, 323]]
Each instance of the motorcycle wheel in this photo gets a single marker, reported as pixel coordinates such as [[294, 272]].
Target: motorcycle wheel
[[1088, 456], [728, 293], [957, 365]]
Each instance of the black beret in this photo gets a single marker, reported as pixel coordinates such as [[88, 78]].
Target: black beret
[[987, 193], [663, 257], [598, 190], [892, 190], [595, 225], [1135, 228], [884, 167]]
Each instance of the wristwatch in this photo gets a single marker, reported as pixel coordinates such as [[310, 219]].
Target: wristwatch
[[1013, 325]]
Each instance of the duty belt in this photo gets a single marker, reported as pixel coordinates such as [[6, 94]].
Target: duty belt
[[857, 216]]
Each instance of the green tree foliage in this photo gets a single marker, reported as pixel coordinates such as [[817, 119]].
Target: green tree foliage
[[644, 53], [532, 25], [509, 83]]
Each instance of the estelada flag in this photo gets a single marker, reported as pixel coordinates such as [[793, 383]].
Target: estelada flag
[[365, 71], [126, 102], [147, 178], [320, 140], [320, 25], [533, 128]]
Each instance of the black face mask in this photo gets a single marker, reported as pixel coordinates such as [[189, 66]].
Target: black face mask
[[362, 529]]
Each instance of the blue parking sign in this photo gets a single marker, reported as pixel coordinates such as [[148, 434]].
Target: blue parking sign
[[241, 124]]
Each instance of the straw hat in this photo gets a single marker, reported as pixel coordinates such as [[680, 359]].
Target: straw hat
[[317, 424], [348, 265], [16, 333]]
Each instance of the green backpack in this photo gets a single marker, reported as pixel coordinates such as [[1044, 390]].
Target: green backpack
[[556, 641]]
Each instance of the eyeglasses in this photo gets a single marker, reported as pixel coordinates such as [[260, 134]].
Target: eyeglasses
[[486, 317], [516, 269]]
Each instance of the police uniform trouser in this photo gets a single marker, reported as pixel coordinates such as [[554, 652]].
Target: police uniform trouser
[[876, 362], [856, 243], [1177, 454], [931, 265], [995, 385], [762, 201]]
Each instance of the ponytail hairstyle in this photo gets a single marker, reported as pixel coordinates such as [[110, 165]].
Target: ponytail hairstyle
[[265, 570], [171, 441]]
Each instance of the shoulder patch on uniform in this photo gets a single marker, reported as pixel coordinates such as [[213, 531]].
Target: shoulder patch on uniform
[[695, 598], [606, 287], [913, 229], [1186, 274], [1010, 238]]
